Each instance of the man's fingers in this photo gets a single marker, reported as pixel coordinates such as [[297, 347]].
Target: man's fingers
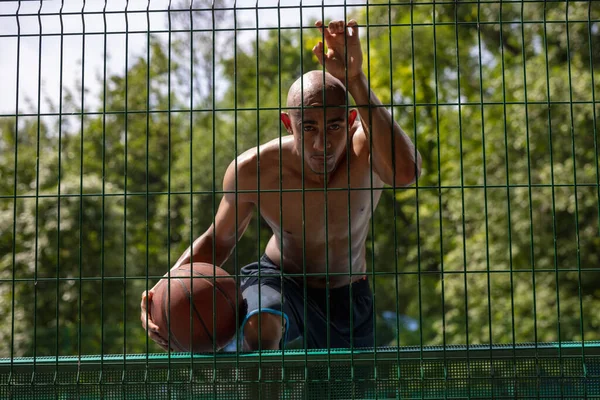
[[152, 326], [323, 56], [324, 32], [160, 341], [318, 51], [156, 337], [336, 27], [148, 325], [145, 316], [331, 28], [165, 346], [143, 303], [353, 27]]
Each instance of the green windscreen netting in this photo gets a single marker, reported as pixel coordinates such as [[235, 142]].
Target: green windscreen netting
[[465, 197], [523, 371]]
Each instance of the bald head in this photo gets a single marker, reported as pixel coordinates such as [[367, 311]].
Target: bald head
[[322, 131], [313, 87]]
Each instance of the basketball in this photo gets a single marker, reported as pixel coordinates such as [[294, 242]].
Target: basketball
[[200, 312]]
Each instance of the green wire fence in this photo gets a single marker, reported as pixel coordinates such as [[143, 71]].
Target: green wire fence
[[119, 118]]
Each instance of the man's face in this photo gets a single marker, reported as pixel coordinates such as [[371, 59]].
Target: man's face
[[322, 133]]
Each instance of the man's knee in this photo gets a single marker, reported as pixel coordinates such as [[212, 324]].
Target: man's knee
[[263, 331]]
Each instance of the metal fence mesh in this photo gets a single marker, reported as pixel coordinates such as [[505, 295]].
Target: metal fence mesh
[[118, 120], [525, 371]]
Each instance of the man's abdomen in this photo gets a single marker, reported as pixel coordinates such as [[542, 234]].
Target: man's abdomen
[[316, 264]]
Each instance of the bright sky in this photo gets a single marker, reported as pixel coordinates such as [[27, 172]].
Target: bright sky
[[31, 63]]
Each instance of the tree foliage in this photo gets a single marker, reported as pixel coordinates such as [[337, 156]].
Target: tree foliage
[[497, 242]]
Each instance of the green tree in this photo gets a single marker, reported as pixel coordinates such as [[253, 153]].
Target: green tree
[[492, 245], [499, 151]]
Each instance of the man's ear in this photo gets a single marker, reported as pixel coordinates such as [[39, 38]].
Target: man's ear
[[287, 122], [352, 114]]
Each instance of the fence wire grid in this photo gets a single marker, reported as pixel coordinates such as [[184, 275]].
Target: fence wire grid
[[119, 119]]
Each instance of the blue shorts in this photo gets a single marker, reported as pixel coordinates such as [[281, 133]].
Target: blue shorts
[[285, 296]]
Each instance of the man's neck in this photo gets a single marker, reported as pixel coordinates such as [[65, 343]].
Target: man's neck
[[320, 179]]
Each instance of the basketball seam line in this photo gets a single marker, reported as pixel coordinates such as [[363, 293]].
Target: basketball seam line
[[216, 287], [168, 314], [189, 296]]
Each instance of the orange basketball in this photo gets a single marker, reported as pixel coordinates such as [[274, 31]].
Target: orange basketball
[[200, 311]]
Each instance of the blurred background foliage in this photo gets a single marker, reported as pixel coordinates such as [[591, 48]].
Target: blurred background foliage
[[499, 244]]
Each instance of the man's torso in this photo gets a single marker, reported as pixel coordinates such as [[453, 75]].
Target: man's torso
[[318, 229]]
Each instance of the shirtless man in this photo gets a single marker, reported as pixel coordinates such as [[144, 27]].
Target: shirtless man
[[326, 143]]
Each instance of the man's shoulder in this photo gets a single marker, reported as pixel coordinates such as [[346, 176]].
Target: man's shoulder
[[242, 170], [263, 159], [362, 151], [264, 154], [277, 148], [360, 143]]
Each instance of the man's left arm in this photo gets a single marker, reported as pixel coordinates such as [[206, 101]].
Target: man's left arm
[[397, 165]]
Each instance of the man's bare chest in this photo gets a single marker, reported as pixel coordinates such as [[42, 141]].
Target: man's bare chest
[[335, 209]]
